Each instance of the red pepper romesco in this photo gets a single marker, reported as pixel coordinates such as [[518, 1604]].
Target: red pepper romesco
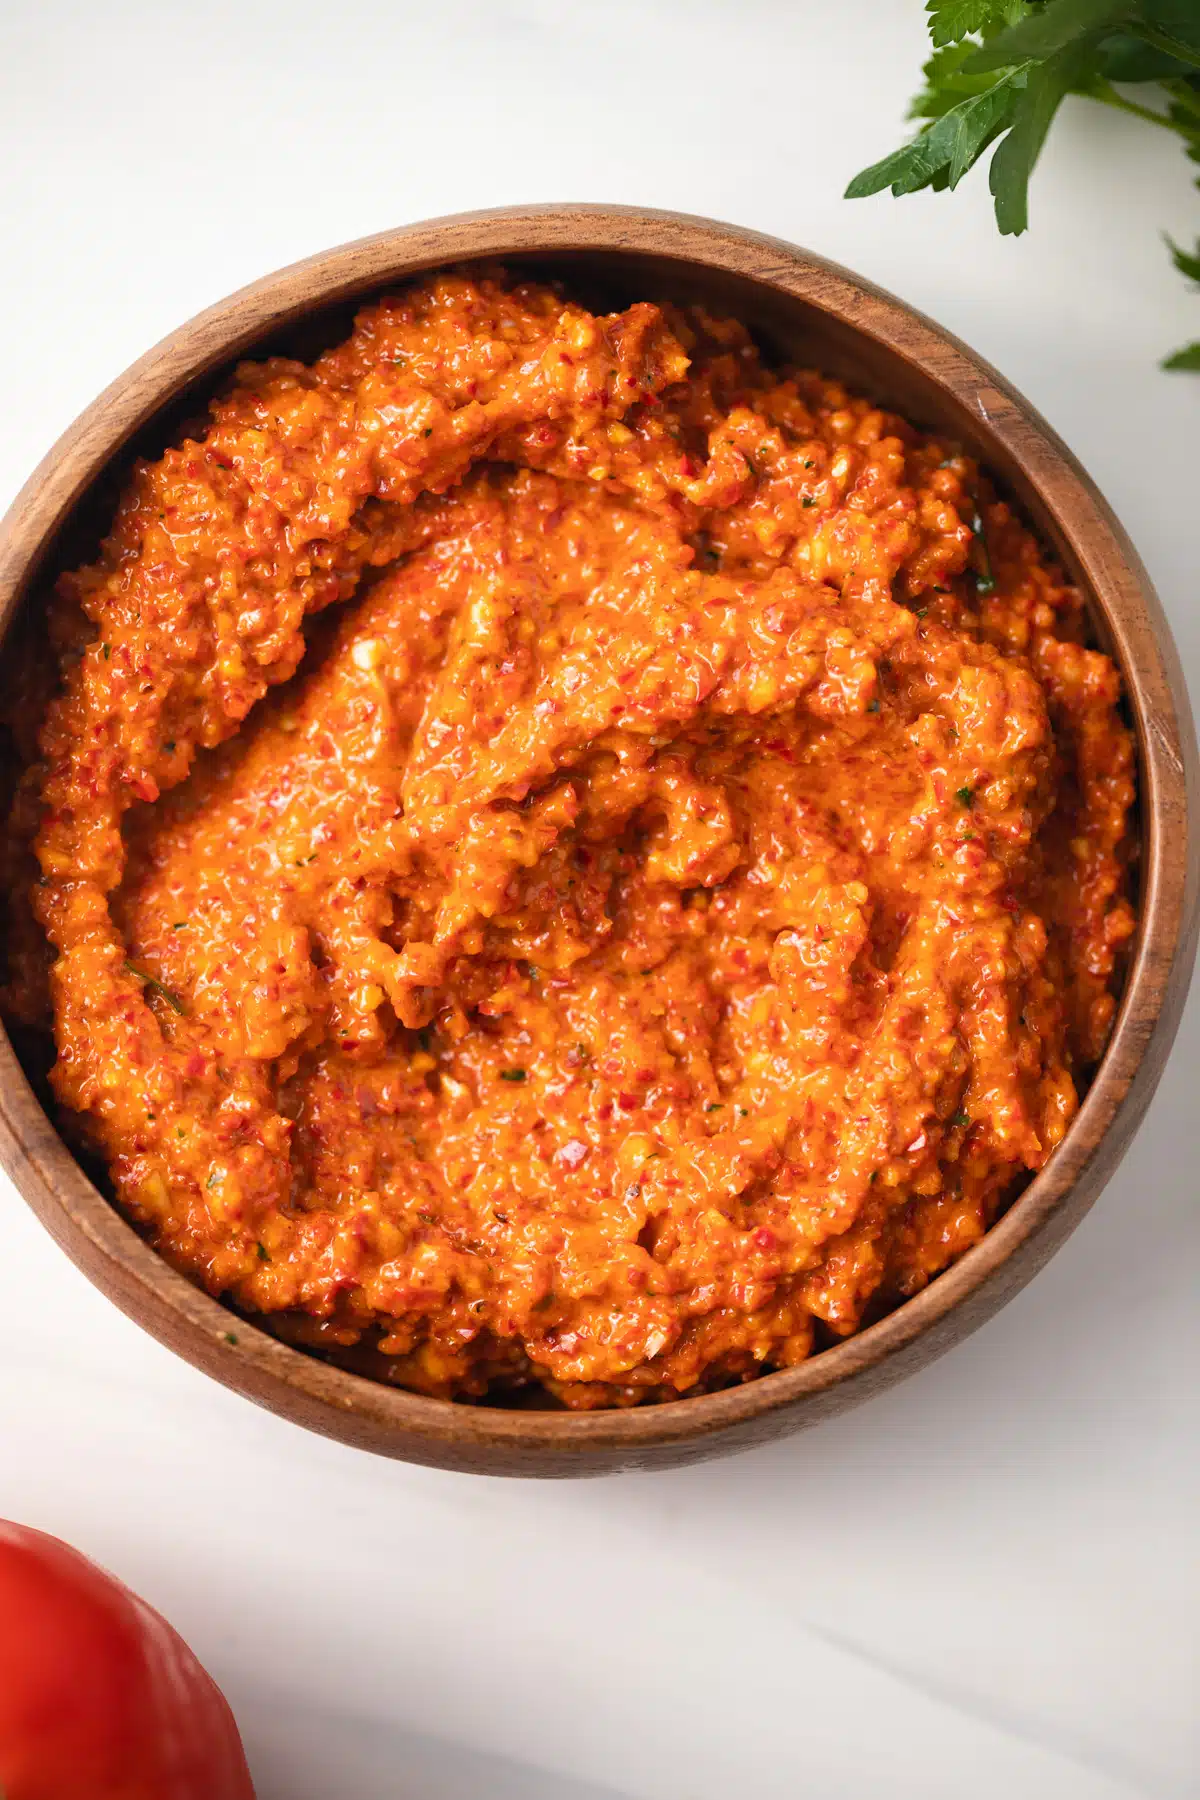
[[570, 857]]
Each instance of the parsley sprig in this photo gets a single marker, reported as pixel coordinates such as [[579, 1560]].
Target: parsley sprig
[[999, 71]]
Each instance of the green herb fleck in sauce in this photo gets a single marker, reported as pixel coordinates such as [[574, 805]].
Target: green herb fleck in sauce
[[156, 987]]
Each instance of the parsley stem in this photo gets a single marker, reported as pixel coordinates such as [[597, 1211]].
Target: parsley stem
[[1183, 98], [1106, 93], [1169, 46]]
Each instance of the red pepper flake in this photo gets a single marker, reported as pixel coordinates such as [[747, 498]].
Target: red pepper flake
[[764, 1238], [627, 1102]]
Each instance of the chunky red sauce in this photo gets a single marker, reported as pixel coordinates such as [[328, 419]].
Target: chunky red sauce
[[649, 925]]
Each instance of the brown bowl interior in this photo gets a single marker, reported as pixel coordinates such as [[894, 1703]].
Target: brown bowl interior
[[801, 310]]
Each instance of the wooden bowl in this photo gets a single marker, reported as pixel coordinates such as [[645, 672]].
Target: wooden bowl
[[802, 308]]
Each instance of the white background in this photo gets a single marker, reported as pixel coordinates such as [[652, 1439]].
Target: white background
[[981, 1584]]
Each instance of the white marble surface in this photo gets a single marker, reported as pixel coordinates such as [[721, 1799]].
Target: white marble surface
[[982, 1583]]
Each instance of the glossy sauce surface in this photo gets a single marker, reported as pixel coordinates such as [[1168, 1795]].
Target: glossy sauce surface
[[658, 916]]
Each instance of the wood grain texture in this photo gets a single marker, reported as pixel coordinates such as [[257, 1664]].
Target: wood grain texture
[[805, 308]]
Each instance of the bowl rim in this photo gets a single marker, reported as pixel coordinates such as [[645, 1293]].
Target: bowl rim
[[490, 1438]]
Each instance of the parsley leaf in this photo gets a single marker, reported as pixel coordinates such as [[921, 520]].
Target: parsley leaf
[[1046, 87], [1189, 356], [949, 146], [946, 83], [998, 73], [1187, 265], [950, 20], [1123, 57], [1064, 24]]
